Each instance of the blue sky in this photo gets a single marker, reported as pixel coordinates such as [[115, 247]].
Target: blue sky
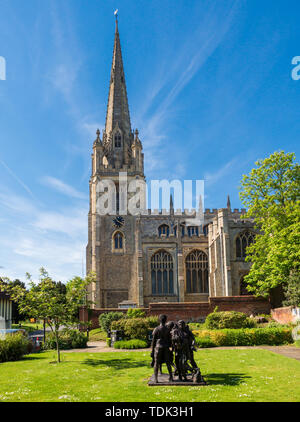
[[209, 87]]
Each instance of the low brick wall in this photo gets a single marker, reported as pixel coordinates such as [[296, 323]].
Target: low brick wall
[[192, 311], [284, 315], [189, 311], [247, 304]]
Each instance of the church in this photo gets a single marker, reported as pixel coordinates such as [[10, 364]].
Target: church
[[153, 257]]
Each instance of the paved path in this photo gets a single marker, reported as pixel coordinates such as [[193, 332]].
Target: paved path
[[101, 346], [288, 351]]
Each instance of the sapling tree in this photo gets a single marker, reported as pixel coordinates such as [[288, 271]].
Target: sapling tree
[[55, 302]]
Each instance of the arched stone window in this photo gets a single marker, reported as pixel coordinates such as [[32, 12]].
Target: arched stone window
[[163, 230], [162, 273], [196, 267], [242, 241], [118, 241], [118, 140]]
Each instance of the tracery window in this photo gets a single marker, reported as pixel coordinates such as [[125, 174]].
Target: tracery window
[[118, 241], [118, 140], [162, 273], [163, 230], [242, 241], [196, 266]]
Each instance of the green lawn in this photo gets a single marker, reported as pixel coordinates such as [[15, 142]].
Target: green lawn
[[97, 335], [233, 375], [29, 326]]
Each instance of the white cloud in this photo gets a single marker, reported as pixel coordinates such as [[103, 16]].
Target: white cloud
[[32, 237], [182, 67], [71, 223], [214, 177], [28, 190], [63, 188]]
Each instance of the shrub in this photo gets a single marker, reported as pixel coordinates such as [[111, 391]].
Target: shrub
[[68, 339], [243, 337], [130, 344], [204, 342], [119, 324], [107, 318], [152, 322], [14, 347], [275, 324], [228, 319], [135, 313], [108, 341], [135, 328]]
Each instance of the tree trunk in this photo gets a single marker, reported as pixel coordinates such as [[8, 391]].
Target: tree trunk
[[57, 346]]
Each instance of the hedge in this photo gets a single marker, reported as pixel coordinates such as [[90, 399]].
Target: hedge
[[135, 328], [14, 347], [68, 339], [130, 344], [243, 337], [228, 319]]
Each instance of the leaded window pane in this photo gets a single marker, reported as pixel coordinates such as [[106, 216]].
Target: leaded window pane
[[242, 242], [162, 273], [196, 264]]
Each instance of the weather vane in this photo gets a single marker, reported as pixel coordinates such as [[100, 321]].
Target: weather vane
[[116, 14]]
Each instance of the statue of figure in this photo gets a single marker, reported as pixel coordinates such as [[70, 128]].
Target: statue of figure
[[161, 344], [183, 342], [180, 345], [170, 326], [191, 348]]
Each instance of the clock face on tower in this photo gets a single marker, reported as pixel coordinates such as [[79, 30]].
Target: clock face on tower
[[118, 221]]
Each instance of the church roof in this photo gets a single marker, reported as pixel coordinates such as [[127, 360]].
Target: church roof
[[117, 107]]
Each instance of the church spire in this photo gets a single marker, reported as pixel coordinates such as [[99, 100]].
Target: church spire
[[228, 203], [117, 107]]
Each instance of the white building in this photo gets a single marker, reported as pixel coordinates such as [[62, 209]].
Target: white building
[[5, 311]]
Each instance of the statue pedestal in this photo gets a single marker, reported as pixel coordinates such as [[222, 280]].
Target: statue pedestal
[[163, 379]]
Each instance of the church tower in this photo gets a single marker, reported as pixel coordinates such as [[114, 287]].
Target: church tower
[[111, 250]]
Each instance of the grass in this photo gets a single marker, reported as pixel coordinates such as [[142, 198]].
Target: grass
[[29, 326], [97, 335], [233, 375]]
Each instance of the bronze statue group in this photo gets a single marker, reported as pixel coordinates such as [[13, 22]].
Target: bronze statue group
[[174, 340]]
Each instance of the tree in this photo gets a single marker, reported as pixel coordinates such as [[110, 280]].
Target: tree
[[53, 301], [292, 290], [271, 192]]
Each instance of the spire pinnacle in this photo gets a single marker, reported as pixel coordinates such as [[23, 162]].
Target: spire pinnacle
[[228, 203], [117, 107]]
